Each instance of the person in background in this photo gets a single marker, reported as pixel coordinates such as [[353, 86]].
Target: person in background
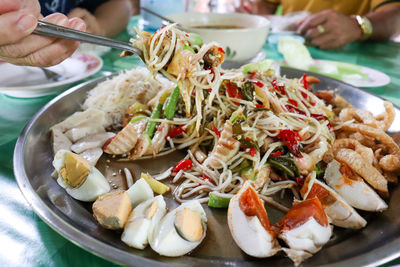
[[18, 19], [103, 17], [333, 24], [135, 7]]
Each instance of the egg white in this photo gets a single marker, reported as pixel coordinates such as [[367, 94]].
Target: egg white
[[248, 232], [138, 227], [340, 212], [358, 194], [310, 236], [166, 241], [140, 191], [94, 186]]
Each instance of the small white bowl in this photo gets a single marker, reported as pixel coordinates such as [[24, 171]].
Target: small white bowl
[[239, 43]]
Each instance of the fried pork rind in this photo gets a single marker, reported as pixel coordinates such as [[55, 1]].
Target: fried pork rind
[[340, 103], [382, 121], [377, 134], [359, 115], [362, 167], [386, 118], [390, 162], [364, 151]]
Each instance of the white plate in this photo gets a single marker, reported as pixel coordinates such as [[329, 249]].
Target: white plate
[[23, 81], [355, 75]]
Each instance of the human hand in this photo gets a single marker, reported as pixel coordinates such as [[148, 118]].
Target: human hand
[[18, 19], [92, 25], [329, 29]]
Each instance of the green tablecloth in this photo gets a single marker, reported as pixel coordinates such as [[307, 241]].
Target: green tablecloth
[[27, 241]]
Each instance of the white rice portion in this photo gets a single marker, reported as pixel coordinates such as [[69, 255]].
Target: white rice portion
[[115, 95]]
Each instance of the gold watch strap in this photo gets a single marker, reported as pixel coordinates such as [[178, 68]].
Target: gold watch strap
[[365, 25]]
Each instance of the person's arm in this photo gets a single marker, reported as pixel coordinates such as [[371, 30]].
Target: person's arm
[[108, 19], [330, 29], [113, 16], [135, 7], [18, 19], [261, 7], [385, 23]]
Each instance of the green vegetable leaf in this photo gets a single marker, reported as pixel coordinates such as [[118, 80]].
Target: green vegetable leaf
[[284, 165], [261, 66], [248, 90]]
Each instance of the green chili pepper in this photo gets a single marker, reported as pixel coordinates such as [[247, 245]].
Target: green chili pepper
[[151, 125], [171, 105]]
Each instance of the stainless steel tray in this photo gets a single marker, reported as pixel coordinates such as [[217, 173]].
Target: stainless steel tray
[[376, 244]]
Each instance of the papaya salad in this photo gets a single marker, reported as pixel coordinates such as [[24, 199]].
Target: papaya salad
[[250, 136]]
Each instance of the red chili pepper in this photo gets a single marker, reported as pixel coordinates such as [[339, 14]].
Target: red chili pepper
[[280, 89], [291, 140], [319, 117], [276, 154], [221, 50], [233, 91], [107, 143], [294, 110], [300, 181], [258, 83], [252, 151], [187, 35], [253, 73], [206, 178], [293, 102], [304, 80], [216, 131], [184, 164], [260, 106], [175, 131], [213, 73]]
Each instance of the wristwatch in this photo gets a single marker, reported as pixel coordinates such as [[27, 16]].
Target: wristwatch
[[365, 26]]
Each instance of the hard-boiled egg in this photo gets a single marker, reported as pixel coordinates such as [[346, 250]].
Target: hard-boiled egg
[[337, 209], [305, 229], [81, 180], [112, 210], [180, 231], [249, 224], [142, 221], [351, 187], [140, 191]]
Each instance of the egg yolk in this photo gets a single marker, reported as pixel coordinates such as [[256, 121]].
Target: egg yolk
[[301, 212], [251, 205]]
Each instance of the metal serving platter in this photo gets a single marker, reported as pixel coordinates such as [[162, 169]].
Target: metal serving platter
[[376, 244]]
